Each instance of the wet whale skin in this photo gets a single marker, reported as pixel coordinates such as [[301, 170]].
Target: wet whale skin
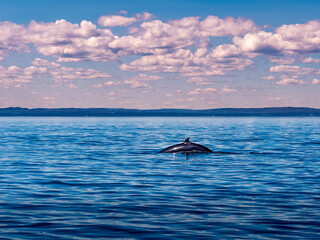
[[186, 147]]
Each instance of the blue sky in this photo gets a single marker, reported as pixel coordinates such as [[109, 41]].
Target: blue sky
[[159, 54]]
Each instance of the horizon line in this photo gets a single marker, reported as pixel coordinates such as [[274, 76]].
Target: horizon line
[[146, 109]]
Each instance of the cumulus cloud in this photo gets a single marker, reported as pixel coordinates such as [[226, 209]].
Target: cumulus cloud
[[260, 42], [71, 85], [188, 64], [290, 81], [268, 78], [311, 60], [201, 91], [15, 77], [227, 51], [302, 37], [82, 42], [287, 40], [295, 70], [315, 81], [71, 42], [100, 85], [161, 46], [199, 80], [44, 63], [69, 73], [140, 81], [116, 20], [12, 38], [227, 90], [63, 74], [144, 77], [285, 60], [214, 26], [157, 37], [112, 83], [108, 84], [294, 80]]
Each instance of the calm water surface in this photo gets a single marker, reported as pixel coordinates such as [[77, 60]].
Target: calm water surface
[[103, 178]]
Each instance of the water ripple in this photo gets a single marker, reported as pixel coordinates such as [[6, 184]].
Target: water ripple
[[104, 178]]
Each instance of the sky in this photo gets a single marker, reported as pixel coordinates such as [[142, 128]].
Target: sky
[[195, 54]]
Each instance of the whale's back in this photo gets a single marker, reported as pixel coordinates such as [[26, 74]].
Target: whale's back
[[186, 147]]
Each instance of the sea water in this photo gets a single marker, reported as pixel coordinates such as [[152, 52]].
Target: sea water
[[104, 178]]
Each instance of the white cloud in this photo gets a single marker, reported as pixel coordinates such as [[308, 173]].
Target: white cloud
[[294, 79], [287, 40], [315, 81], [116, 20], [63, 74], [201, 91], [268, 78], [157, 37], [71, 85], [311, 60], [144, 77], [290, 81], [44, 63], [98, 85], [80, 42], [183, 61], [260, 42], [199, 80], [162, 47], [15, 77], [285, 60], [12, 39], [294, 70], [140, 81], [227, 51], [214, 26], [302, 37], [112, 83], [71, 42], [69, 73], [227, 90]]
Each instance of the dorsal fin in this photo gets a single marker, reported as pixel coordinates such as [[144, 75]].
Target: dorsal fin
[[187, 140]]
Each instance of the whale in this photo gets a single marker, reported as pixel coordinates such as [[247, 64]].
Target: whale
[[186, 147]]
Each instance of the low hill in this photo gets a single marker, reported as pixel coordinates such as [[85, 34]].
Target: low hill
[[122, 112]]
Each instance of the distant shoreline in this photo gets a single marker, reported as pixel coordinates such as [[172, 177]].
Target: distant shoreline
[[124, 112]]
